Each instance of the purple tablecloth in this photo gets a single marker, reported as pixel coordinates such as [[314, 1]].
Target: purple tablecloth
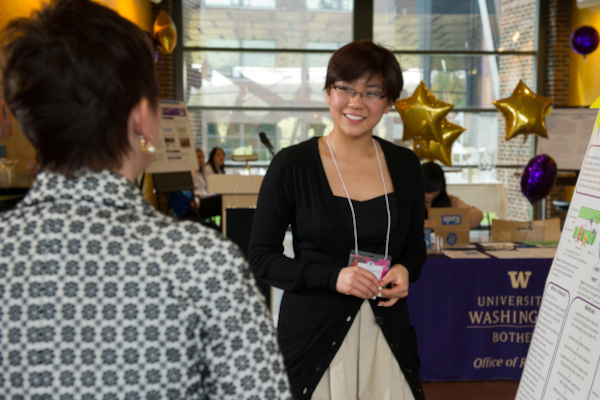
[[474, 318]]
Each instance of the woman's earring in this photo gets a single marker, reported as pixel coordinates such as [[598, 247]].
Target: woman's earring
[[146, 145]]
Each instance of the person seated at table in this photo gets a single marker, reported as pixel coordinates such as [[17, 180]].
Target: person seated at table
[[436, 195], [208, 204], [199, 203], [216, 162], [103, 296]]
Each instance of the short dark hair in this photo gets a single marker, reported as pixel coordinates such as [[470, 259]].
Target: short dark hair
[[72, 73], [363, 57]]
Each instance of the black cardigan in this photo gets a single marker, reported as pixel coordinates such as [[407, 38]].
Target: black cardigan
[[314, 317]]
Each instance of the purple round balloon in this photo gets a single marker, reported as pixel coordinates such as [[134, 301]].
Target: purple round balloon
[[538, 177], [584, 40]]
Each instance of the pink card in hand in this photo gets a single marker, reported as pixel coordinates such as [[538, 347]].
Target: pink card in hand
[[372, 262]]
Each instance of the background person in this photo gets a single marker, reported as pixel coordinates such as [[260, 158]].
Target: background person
[[102, 295], [346, 190], [216, 162], [199, 203], [200, 188], [436, 195], [208, 204]]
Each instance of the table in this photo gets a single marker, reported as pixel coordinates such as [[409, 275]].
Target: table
[[474, 318], [15, 178], [487, 196], [237, 191]]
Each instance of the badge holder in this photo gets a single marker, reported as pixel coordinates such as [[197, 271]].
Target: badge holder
[[377, 264]]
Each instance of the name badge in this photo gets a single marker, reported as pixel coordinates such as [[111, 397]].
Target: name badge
[[376, 264]]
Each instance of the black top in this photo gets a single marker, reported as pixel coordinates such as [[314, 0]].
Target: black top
[[314, 317], [371, 220]]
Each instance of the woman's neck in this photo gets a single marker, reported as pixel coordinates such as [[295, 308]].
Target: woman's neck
[[348, 146]]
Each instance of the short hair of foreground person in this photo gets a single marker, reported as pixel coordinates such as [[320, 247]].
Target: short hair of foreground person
[[72, 74]]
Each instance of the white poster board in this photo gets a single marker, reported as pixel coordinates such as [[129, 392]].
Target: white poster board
[[568, 136], [564, 356], [175, 150]]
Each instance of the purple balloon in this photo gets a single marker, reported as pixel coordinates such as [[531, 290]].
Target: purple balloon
[[584, 40], [538, 177]]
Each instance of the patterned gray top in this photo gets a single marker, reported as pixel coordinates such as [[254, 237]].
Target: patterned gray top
[[103, 297]]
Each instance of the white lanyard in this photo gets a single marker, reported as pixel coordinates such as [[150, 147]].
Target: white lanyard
[[387, 204]]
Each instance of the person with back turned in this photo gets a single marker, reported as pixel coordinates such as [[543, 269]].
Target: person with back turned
[[101, 296]]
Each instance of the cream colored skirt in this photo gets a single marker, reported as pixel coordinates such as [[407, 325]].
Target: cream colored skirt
[[364, 368]]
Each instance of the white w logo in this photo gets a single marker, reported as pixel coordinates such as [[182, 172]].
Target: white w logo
[[519, 279]]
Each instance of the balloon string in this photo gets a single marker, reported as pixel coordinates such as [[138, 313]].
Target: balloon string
[[522, 151], [584, 70]]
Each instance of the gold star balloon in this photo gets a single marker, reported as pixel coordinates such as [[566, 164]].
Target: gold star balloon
[[524, 112], [422, 114], [165, 32], [442, 151], [421, 149]]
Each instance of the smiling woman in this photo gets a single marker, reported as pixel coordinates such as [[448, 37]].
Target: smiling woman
[[347, 196]]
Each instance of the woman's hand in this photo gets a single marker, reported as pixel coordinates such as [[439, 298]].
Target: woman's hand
[[398, 277], [355, 281]]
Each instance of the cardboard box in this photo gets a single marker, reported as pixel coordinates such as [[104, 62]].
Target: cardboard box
[[451, 224], [524, 231]]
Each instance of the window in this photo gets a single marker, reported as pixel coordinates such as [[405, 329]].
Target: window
[[254, 66], [240, 3], [341, 5], [468, 53]]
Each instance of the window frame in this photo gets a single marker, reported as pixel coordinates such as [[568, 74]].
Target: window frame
[[363, 29]]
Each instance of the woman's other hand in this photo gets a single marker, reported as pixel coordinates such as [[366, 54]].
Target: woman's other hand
[[397, 276], [355, 281]]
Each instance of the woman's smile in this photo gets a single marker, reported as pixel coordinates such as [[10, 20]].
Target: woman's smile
[[354, 118]]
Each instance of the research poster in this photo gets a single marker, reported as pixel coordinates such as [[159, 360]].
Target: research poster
[[564, 355], [175, 150]]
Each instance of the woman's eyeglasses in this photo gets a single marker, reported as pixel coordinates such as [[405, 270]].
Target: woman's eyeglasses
[[367, 97]]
